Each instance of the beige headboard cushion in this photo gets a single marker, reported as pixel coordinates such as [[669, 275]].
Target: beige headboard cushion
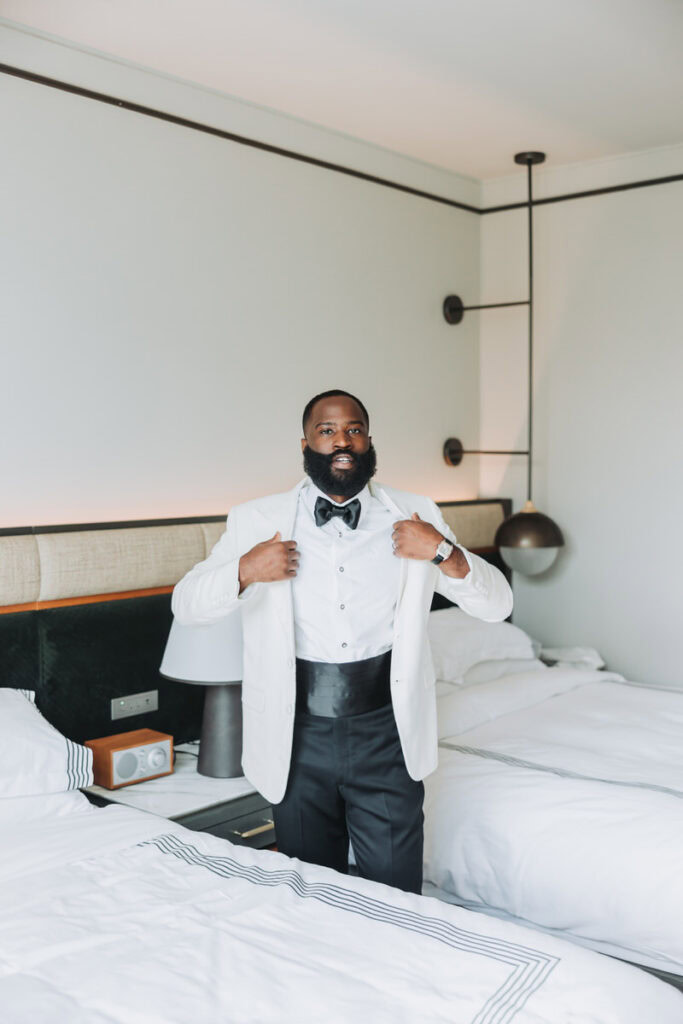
[[78, 563], [474, 525], [107, 561], [70, 564], [19, 569], [212, 533]]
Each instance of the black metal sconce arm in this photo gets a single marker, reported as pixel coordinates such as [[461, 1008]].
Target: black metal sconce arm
[[454, 309], [453, 451]]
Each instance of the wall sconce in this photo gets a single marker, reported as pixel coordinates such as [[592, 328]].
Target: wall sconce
[[529, 541]]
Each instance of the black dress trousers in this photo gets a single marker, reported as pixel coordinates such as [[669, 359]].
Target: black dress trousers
[[347, 780]]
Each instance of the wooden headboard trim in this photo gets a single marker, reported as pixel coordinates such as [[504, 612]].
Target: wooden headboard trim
[[65, 602]]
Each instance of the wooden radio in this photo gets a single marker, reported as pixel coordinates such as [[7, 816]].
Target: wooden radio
[[131, 757]]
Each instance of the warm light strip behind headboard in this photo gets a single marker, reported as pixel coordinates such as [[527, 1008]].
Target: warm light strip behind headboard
[[88, 599]]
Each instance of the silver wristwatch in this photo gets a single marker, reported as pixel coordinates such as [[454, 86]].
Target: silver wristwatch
[[443, 552]]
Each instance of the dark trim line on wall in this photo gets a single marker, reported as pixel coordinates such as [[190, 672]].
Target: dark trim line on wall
[[290, 154], [18, 531], [589, 192], [242, 140]]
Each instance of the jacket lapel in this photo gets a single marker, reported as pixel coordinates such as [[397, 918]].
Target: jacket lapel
[[282, 518], [378, 492]]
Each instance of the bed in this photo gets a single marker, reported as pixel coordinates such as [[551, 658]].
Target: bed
[[112, 916], [558, 801]]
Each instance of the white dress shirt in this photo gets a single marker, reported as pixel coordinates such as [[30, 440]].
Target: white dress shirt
[[346, 587]]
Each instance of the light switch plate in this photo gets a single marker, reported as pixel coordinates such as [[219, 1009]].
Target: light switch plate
[[134, 704]]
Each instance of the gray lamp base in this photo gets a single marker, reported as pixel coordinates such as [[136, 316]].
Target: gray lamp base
[[220, 747]]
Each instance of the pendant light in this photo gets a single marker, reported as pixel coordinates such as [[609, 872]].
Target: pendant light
[[529, 541]]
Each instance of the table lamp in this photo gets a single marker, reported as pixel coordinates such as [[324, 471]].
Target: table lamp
[[211, 656]]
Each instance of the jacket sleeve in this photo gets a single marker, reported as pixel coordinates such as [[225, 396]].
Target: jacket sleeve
[[484, 592], [210, 590]]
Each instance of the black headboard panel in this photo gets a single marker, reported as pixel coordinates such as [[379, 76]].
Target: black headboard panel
[[79, 658]]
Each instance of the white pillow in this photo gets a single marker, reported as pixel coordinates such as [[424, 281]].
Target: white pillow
[[34, 757], [459, 641], [489, 671]]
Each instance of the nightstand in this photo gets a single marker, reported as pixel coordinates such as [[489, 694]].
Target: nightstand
[[229, 808]]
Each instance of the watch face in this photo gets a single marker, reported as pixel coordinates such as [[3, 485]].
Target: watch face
[[442, 552]]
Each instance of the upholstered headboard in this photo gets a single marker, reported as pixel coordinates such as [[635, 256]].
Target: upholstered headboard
[[85, 613]]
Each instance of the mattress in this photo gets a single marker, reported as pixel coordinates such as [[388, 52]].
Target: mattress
[[560, 805], [116, 916]]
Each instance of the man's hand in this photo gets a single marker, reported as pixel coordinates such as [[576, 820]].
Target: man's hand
[[414, 539], [269, 561]]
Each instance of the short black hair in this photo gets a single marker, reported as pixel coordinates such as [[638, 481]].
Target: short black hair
[[332, 394]]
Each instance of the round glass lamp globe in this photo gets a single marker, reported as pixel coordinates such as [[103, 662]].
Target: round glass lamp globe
[[529, 561], [529, 541]]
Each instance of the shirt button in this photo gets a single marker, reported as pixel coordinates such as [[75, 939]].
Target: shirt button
[[342, 606], [345, 645], [341, 568]]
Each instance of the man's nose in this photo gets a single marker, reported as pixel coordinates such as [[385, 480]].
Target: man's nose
[[342, 441]]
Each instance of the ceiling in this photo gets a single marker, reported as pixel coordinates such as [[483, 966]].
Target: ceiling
[[462, 84]]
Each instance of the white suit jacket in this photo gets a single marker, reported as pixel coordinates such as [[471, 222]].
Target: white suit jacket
[[210, 591]]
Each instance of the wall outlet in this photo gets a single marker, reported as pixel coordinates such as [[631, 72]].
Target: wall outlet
[[134, 704]]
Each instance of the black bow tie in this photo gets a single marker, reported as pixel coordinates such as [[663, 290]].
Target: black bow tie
[[326, 510]]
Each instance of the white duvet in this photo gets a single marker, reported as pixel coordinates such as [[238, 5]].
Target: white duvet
[[118, 917], [560, 803]]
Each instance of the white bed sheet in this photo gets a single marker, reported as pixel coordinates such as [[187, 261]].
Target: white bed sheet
[[122, 918], [561, 805]]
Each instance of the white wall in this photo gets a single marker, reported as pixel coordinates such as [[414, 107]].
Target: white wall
[[608, 464], [172, 300]]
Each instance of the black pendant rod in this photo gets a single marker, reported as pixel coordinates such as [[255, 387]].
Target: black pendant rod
[[531, 333], [529, 159]]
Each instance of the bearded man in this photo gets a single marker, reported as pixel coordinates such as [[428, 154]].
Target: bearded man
[[335, 580]]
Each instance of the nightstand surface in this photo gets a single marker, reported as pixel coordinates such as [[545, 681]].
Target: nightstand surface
[[182, 793], [229, 808]]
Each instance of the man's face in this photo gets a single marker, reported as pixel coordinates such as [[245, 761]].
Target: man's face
[[338, 452]]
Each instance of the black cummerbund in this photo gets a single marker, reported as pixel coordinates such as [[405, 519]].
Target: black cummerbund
[[343, 689]]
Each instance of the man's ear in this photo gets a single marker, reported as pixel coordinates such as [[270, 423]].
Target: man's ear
[[304, 442]]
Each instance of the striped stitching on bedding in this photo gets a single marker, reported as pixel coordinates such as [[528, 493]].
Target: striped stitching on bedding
[[78, 765], [530, 967], [565, 773]]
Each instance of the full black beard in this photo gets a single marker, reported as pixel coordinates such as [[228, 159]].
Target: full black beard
[[344, 483]]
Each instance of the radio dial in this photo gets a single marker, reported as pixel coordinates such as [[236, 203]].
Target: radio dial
[[156, 758]]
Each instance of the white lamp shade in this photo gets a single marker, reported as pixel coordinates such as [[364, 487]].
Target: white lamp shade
[[209, 655]]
